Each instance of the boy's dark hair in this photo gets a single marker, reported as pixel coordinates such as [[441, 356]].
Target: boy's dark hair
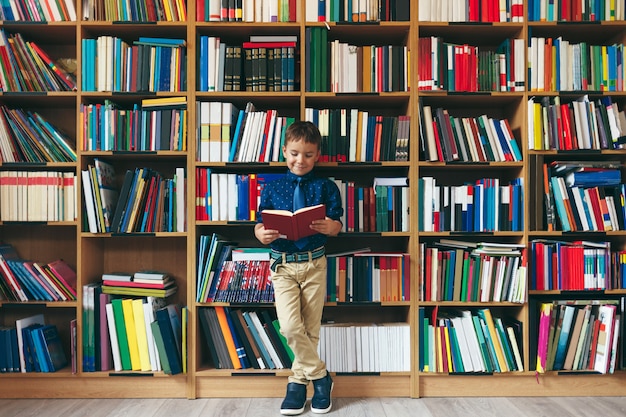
[[305, 131]]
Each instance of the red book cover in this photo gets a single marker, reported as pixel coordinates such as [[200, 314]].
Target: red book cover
[[252, 184], [473, 10], [65, 274], [341, 279], [294, 226], [366, 209], [385, 285], [378, 132], [199, 10], [406, 273], [350, 206], [573, 127], [594, 196], [540, 263], [547, 56], [566, 11], [567, 128], [372, 210], [594, 343], [292, 10], [428, 270], [395, 277]]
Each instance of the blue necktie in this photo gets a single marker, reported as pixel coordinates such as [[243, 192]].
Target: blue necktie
[[298, 196], [298, 203]]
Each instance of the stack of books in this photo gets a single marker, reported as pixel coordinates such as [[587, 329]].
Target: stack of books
[[141, 283]]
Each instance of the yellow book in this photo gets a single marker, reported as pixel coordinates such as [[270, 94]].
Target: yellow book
[[448, 358], [359, 132], [367, 69], [140, 330], [131, 334], [168, 10], [605, 69], [538, 125], [163, 101], [439, 365], [485, 314]]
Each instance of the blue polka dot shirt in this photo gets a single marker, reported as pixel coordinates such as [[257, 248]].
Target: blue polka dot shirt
[[278, 195]]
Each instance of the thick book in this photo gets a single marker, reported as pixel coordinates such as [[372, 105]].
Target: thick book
[[52, 352], [293, 225]]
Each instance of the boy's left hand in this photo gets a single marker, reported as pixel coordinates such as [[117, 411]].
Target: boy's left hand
[[327, 226]]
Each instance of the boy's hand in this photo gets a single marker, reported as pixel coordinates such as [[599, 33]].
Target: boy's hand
[[327, 226], [265, 236]]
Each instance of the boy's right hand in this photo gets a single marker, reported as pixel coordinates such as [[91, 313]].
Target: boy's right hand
[[265, 236]]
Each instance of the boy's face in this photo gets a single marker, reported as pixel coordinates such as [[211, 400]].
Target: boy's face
[[301, 156]]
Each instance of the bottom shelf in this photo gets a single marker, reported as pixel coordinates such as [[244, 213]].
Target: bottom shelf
[[274, 386], [522, 385]]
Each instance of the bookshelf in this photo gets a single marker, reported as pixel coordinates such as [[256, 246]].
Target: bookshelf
[[93, 254]]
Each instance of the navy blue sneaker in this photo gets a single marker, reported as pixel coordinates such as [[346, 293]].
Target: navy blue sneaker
[[294, 401], [321, 402]]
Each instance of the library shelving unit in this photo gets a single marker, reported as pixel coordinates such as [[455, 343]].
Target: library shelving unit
[[93, 254]]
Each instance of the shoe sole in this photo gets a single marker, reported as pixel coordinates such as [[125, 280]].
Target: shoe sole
[[324, 410], [292, 412]]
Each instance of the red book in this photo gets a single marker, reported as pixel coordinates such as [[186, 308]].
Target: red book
[[350, 206], [566, 11], [567, 128], [366, 209], [427, 287], [252, 187], [294, 226], [292, 10], [406, 273], [473, 7], [539, 266], [378, 132], [65, 274], [372, 210], [594, 196]]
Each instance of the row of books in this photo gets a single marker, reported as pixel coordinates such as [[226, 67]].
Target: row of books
[[25, 280], [584, 196], [356, 11], [24, 66], [487, 205], [154, 125], [158, 284], [382, 207], [463, 67], [38, 11], [471, 11], [469, 341], [452, 270], [571, 266], [557, 64], [38, 196], [353, 135], [579, 124], [368, 277], [228, 273], [146, 201], [246, 11], [26, 136], [580, 335], [132, 334], [150, 64], [31, 345], [252, 66], [140, 11], [358, 347], [244, 339], [378, 68], [228, 134], [446, 138], [575, 10]]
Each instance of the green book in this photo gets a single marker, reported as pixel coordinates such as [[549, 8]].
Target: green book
[[158, 339], [120, 327], [276, 325]]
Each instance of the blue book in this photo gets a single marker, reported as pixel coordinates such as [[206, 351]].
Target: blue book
[[243, 197], [171, 42], [203, 57], [31, 362], [566, 327], [258, 341], [560, 207], [234, 147], [241, 353], [53, 354], [169, 340]]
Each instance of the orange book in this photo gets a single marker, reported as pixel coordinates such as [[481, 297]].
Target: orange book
[[294, 225], [228, 337]]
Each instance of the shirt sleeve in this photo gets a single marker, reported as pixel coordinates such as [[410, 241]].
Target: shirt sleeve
[[334, 208]]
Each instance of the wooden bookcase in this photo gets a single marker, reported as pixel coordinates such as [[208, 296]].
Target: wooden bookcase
[[94, 254]]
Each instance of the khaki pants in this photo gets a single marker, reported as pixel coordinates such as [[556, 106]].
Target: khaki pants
[[300, 293]]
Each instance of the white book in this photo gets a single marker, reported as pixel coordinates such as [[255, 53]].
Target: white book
[[466, 355], [89, 201], [269, 137], [71, 10], [204, 109], [604, 344], [115, 347], [215, 131], [472, 341], [216, 195], [222, 178], [430, 134], [266, 341], [364, 139], [232, 200], [228, 109], [276, 149], [215, 10], [354, 114], [155, 361]]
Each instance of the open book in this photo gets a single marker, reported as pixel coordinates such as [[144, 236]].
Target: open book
[[293, 226]]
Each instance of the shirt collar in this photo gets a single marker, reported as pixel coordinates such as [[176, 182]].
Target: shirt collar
[[306, 177]]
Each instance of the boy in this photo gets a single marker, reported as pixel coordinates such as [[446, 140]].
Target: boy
[[299, 268]]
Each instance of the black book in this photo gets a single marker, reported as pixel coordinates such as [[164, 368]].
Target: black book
[[266, 320], [278, 70], [123, 198], [208, 336]]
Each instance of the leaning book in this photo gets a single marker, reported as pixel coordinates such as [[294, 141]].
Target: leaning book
[[296, 225]]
